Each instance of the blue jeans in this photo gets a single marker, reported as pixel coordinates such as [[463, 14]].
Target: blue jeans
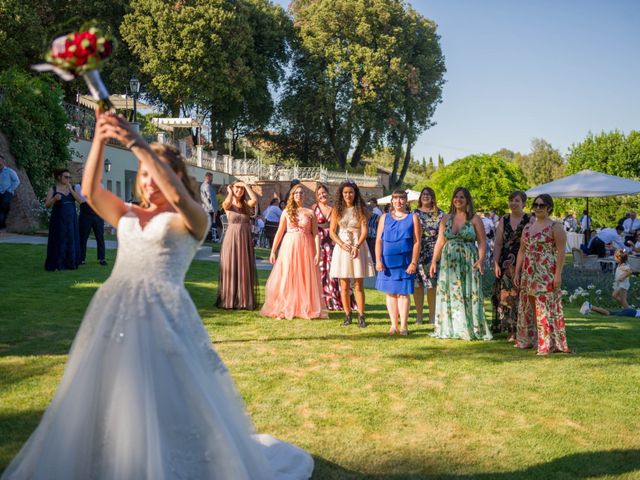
[[626, 312]]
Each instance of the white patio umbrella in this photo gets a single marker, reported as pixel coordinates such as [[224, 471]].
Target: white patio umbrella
[[412, 196], [585, 184]]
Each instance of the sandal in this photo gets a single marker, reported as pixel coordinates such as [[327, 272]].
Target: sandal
[[404, 333], [392, 331]]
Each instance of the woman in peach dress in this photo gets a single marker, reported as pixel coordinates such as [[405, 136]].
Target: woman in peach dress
[[294, 288]]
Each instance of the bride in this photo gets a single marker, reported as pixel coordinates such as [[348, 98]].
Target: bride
[[144, 395]]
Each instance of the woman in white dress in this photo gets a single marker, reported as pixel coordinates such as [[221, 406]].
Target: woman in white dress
[[350, 258], [144, 395]]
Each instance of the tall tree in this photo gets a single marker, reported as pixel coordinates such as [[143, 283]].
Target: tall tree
[[372, 69], [219, 55], [543, 164]]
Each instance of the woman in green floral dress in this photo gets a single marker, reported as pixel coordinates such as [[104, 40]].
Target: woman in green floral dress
[[459, 299]]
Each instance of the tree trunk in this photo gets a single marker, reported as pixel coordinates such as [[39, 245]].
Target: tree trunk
[[362, 143], [393, 178], [405, 166]]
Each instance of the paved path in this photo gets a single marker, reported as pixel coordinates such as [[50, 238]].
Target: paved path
[[204, 252]]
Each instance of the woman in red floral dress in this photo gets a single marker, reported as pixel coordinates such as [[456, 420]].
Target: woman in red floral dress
[[330, 286], [539, 275]]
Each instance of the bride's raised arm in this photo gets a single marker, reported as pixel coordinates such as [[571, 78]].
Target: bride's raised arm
[[194, 217], [109, 206]]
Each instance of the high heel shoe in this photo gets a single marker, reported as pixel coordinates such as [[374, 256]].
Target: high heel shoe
[[347, 320], [361, 322]]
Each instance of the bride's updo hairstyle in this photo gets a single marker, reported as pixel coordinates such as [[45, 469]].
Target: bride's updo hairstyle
[[172, 156]]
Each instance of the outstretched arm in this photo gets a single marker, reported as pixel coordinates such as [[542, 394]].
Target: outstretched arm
[[109, 206], [194, 218]]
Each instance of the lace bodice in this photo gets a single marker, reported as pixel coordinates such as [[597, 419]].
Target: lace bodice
[[348, 221], [304, 225], [154, 252]]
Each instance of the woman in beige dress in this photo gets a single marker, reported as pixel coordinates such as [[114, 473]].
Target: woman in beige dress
[[350, 259], [238, 279]]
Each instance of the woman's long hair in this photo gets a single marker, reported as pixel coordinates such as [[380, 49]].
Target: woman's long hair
[[471, 211], [174, 158], [244, 207], [292, 207], [359, 205]]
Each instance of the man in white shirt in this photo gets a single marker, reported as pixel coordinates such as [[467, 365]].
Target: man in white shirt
[[271, 220], [209, 202], [9, 181], [373, 204], [585, 222], [631, 225], [598, 243]]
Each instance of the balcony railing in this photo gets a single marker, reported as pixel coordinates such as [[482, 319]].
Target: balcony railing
[[82, 124]]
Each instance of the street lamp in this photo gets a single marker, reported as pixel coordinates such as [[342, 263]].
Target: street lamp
[[134, 86], [200, 121], [229, 133], [107, 165]]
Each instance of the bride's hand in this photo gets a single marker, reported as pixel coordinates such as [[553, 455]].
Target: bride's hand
[[117, 127]]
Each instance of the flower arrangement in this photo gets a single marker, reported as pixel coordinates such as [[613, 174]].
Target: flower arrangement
[[579, 295], [81, 53]]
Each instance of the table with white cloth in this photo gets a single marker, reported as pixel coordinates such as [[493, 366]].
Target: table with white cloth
[[574, 240]]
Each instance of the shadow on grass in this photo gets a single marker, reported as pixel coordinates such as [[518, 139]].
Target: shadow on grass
[[575, 466]]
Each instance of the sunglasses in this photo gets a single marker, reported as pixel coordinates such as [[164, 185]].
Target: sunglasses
[[538, 205]]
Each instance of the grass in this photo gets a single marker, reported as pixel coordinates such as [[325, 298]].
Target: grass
[[366, 406]]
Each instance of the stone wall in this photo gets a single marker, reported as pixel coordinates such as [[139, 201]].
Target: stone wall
[[23, 216]]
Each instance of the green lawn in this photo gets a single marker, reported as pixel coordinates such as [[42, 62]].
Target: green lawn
[[365, 405]]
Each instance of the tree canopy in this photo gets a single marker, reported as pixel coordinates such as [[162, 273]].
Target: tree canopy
[[489, 178], [32, 118], [373, 71]]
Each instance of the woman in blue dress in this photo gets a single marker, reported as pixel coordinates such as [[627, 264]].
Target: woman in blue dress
[[63, 244], [397, 252]]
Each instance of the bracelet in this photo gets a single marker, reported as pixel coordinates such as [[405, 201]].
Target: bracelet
[[132, 143]]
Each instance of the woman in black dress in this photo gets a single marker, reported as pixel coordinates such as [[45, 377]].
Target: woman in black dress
[[505, 252], [63, 245]]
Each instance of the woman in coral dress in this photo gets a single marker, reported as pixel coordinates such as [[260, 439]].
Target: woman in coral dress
[[539, 276], [294, 288]]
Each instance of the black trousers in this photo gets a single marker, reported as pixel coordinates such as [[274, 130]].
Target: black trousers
[[270, 229], [597, 247], [88, 221], [5, 204]]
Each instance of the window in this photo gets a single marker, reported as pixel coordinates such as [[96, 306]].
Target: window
[[119, 189], [110, 185]]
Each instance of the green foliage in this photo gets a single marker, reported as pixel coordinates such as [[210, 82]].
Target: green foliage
[[219, 55], [542, 165], [367, 72], [33, 120], [489, 178], [21, 33], [608, 152]]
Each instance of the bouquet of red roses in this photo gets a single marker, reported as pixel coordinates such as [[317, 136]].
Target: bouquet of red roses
[[81, 53]]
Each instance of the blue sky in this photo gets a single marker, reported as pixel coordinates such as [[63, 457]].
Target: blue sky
[[519, 69]]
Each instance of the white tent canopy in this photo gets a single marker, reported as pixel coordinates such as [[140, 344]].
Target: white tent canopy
[[412, 196], [120, 102], [170, 124], [587, 183]]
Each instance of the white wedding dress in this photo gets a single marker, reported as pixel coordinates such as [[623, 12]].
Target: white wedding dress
[[144, 395]]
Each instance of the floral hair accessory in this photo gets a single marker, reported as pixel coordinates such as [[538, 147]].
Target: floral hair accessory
[[78, 54]]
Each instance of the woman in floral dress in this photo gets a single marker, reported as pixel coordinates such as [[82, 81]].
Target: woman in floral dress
[[505, 294], [429, 216], [330, 286], [539, 276], [459, 298]]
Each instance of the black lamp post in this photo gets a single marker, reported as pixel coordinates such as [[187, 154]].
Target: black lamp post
[[200, 120], [107, 165], [134, 86]]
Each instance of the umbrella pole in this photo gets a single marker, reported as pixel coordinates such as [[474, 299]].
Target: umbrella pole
[[587, 235]]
